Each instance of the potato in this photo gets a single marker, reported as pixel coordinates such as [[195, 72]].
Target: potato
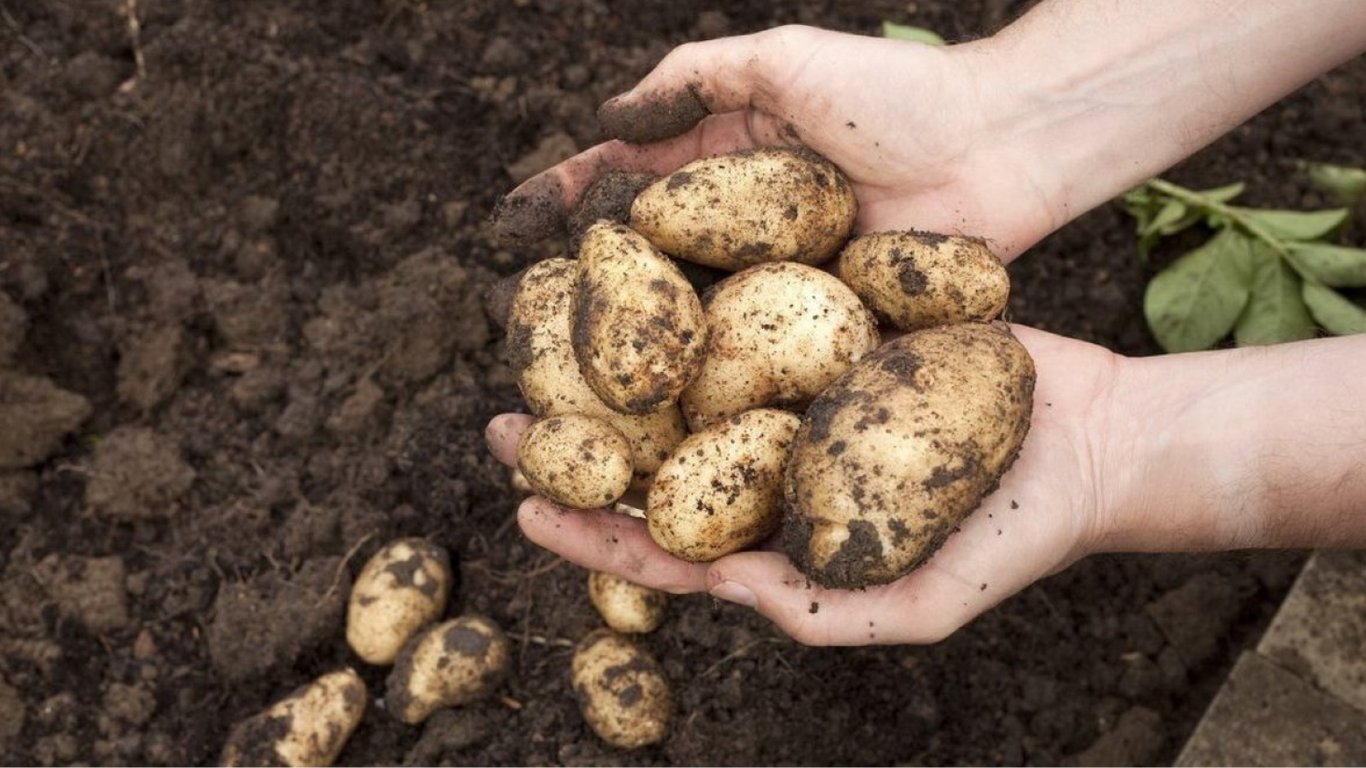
[[308, 727], [638, 333], [576, 461], [548, 374], [621, 690], [453, 663], [914, 280], [402, 588], [760, 205], [624, 605], [780, 333], [892, 457], [722, 489]]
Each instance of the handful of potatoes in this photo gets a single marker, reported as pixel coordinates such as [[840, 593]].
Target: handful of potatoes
[[767, 403]]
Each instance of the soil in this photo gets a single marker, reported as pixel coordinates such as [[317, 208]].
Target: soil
[[242, 345]]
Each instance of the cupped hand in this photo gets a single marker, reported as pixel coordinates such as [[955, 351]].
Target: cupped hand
[[924, 133], [1043, 517]]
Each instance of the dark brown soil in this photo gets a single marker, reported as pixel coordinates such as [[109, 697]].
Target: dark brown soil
[[241, 307]]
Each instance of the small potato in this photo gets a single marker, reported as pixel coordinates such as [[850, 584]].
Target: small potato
[[454, 663], [780, 333], [624, 605], [639, 333], [621, 690], [542, 355], [402, 588], [750, 207], [576, 461], [892, 457], [308, 727], [913, 280], [722, 489]]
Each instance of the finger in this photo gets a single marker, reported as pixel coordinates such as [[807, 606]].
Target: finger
[[609, 542], [503, 432]]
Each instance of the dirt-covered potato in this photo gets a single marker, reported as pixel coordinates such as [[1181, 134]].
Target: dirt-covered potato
[[621, 690], [542, 355], [453, 663], [638, 333], [576, 461], [892, 457], [780, 333], [625, 605], [914, 280], [402, 588], [722, 489], [750, 207], [308, 727]]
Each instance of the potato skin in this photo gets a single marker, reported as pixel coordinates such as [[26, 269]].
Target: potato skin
[[914, 280], [750, 207], [541, 353], [780, 333], [453, 663], [621, 690], [892, 457], [638, 332], [402, 588], [624, 605], [722, 489], [308, 727], [576, 461]]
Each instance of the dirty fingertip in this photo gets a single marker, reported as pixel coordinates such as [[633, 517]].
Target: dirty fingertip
[[647, 119], [531, 213]]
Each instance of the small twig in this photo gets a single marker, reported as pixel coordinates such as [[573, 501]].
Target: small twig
[[130, 9], [559, 642], [336, 577], [737, 653], [13, 25]]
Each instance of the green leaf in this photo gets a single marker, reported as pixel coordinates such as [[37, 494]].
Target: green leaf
[[1223, 194], [1334, 265], [1170, 213], [1196, 301], [1337, 314], [907, 32], [1275, 313], [1344, 183], [1296, 225]]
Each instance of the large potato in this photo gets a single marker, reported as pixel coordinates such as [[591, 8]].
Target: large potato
[[638, 333], [621, 690], [401, 589], [722, 489], [542, 355], [453, 663], [914, 280], [576, 461], [308, 727], [780, 333], [892, 457], [760, 205]]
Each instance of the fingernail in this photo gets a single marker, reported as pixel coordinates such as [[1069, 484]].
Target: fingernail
[[735, 592]]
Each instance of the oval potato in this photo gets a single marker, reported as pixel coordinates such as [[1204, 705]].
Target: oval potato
[[453, 663], [722, 489], [625, 605], [621, 690], [576, 461], [402, 588], [639, 333], [914, 280], [542, 355], [780, 333], [308, 727], [892, 457], [750, 207]]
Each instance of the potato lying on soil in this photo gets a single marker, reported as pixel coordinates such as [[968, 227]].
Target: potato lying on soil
[[639, 333], [625, 605], [576, 461], [621, 690], [402, 588], [892, 457], [780, 333], [540, 352], [722, 489], [308, 727], [750, 207], [914, 280], [454, 663]]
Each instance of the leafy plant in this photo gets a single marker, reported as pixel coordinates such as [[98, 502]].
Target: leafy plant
[[1345, 184], [1266, 276], [907, 32]]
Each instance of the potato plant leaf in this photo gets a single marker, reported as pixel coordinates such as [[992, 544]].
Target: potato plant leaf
[[1345, 183], [1335, 312], [895, 31], [1333, 265], [1295, 225], [1275, 311], [1196, 301]]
